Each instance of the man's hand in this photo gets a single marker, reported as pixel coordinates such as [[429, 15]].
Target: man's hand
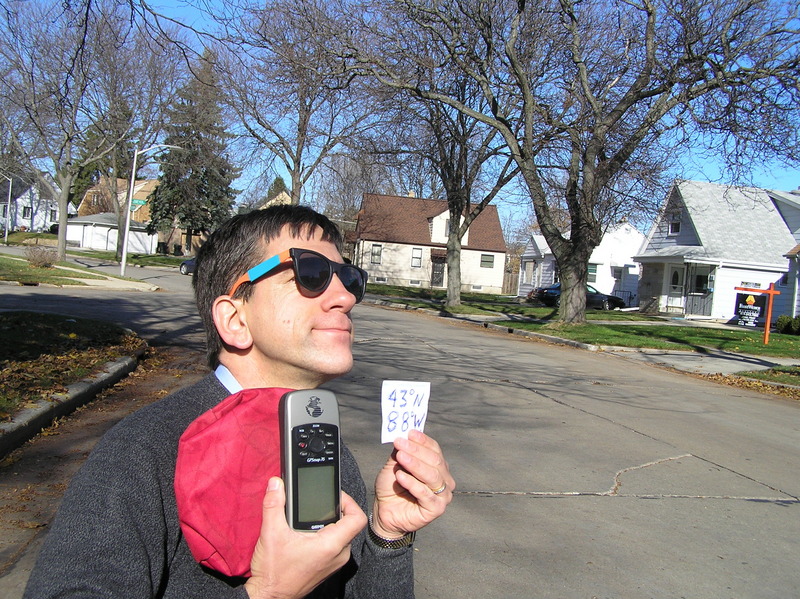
[[404, 490], [287, 563]]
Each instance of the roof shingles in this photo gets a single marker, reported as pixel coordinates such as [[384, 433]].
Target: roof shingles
[[403, 219]]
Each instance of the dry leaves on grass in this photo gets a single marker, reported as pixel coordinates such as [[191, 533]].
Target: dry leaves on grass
[[40, 354], [754, 385]]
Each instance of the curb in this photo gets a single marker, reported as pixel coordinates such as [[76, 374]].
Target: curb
[[29, 422], [109, 286], [541, 336]]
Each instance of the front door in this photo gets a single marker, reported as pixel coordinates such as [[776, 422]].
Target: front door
[[698, 296], [676, 282], [437, 272]]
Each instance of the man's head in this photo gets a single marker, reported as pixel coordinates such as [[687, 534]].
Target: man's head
[[244, 242]]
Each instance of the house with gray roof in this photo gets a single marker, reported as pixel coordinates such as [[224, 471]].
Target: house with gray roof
[[711, 239], [537, 266], [401, 240], [612, 269]]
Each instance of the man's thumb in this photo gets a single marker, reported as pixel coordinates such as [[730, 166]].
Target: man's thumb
[[275, 497]]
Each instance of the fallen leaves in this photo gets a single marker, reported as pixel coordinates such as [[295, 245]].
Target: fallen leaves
[[755, 385], [40, 354]]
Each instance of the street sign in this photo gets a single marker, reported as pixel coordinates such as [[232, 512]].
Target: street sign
[[138, 202]]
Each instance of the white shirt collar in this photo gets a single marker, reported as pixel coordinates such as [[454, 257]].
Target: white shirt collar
[[227, 379]]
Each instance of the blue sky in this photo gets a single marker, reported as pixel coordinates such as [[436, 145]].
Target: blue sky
[[769, 176]]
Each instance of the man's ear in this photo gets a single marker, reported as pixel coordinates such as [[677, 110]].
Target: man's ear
[[231, 323]]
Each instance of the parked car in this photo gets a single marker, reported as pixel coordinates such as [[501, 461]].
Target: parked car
[[551, 296], [187, 266]]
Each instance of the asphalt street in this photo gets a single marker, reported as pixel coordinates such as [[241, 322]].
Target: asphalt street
[[580, 474]]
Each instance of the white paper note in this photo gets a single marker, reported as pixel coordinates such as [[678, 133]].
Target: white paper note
[[404, 405]]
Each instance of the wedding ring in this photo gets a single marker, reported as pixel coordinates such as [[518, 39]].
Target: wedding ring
[[440, 489]]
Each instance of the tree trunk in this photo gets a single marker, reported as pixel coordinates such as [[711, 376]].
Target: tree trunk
[[119, 211], [453, 270], [63, 195], [573, 265]]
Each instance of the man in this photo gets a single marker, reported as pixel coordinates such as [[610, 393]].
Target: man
[[275, 298]]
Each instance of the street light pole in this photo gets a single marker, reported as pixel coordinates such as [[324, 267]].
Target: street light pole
[[129, 203]]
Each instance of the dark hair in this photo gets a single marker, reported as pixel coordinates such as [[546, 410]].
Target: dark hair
[[237, 246]]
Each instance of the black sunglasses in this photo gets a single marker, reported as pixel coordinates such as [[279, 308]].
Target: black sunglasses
[[312, 271]]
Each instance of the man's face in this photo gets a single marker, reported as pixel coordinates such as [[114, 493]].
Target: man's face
[[299, 341]]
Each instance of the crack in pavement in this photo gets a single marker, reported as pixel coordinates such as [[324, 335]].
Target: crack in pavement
[[555, 494], [614, 490]]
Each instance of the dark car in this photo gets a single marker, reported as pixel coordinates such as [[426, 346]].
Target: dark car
[[187, 266], [551, 296]]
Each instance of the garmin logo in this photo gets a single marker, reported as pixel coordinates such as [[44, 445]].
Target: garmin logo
[[313, 408]]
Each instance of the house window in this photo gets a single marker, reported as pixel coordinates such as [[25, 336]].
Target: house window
[[375, 258], [784, 280], [53, 216], [592, 277], [487, 260], [5, 210], [26, 212], [416, 257], [674, 226], [700, 284]]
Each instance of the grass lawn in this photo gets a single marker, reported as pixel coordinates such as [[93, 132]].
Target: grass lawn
[[42, 353], [693, 338], [15, 269], [786, 375], [133, 259], [20, 237], [484, 303]]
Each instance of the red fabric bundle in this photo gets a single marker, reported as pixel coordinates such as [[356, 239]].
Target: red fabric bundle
[[225, 459]]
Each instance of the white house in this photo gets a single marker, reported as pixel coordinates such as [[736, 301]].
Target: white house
[[28, 208], [612, 268], [402, 240], [711, 239], [100, 232]]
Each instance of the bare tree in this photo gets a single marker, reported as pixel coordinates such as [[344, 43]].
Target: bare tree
[[55, 106], [345, 179], [468, 157], [291, 102], [137, 77], [593, 97]]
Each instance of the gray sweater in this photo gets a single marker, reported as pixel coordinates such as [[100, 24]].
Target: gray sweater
[[117, 534]]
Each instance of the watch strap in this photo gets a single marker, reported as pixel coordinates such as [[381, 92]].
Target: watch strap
[[384, 543]]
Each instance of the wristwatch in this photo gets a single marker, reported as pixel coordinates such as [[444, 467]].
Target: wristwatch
[[383, 543]]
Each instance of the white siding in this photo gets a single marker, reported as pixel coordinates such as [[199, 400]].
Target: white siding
[[727, 279], [439, 230], [396, 267], [104, 238]]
